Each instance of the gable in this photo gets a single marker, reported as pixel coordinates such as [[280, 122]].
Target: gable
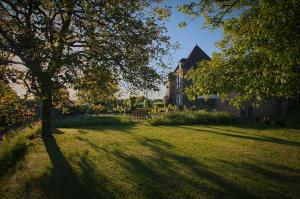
[[194, 57]]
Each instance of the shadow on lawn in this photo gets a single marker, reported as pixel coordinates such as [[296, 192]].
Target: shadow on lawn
[[163, 174], [243, 135], [277, 181], [169, 175], [102, 128], [62, 182]]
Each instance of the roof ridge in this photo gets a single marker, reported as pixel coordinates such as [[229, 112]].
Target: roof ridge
[[196, 54]]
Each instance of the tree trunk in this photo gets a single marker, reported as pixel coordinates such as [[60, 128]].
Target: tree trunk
[[46, 116]]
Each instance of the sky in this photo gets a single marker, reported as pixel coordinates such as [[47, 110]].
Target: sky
[[188, 37]]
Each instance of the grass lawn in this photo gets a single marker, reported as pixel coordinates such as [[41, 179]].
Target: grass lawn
[[142, 161]]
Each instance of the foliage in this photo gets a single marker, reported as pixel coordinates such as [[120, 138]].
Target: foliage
[[259, 55], [58, 42], [14, 145], [157, 109], [89, 120], [62, 101], [97, 87], [172, 108], [12, 110], [134, 102], [120, 109], [189, 117]]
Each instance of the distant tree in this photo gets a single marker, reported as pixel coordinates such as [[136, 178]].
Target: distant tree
[[62, 101], [53, 43], [12, 110], [97, 87], [259, 54]]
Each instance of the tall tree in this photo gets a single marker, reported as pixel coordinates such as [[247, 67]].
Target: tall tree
[[259, 55], [52, 43]]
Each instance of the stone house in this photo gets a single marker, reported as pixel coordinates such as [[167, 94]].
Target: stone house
[[176, 83]]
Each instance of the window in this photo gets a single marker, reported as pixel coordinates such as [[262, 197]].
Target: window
[[179, 99], [178, 82]]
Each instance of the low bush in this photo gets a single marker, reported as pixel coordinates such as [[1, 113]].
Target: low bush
[[14, 145], [189, 117], [89, 120]]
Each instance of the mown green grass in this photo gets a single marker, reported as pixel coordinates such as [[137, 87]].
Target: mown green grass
[[143, 161], [13, 146]]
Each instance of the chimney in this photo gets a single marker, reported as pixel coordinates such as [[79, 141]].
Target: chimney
[[181, 62]]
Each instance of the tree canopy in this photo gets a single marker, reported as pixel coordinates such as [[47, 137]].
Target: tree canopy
[[97, 87], [53, 43], [259, 54]]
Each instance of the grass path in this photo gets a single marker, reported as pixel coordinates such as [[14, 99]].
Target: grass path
[[143, 161]]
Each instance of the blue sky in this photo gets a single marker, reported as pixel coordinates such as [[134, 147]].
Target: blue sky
[[188, 37], [191, 34]]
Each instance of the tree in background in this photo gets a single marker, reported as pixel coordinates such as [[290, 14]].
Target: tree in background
[[259, 54], [97, 88], [53, 43], [12, 110], [62, 102]]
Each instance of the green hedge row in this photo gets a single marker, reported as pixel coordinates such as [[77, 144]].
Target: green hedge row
[[201, 117], [89, 120]]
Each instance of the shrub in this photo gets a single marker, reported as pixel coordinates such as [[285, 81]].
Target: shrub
[[190, 117], [13, 146], [13, 110], [89, 120], [215, 117], [156, 109]]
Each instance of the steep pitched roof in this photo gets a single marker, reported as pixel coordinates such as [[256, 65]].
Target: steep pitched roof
[[195, 56]]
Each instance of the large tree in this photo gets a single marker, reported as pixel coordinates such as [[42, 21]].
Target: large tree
[[53, 43], [259, 55]]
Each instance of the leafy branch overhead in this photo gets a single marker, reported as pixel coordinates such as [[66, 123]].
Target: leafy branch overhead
[[259, 54]]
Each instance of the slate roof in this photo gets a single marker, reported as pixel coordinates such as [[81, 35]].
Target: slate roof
[[195, 56]]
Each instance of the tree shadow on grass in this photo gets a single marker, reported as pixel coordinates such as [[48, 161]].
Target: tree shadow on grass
[[167, 174], [98, 185], [163, 174], [102, 128], [238, 134], [170, 175], [276, 180], [62, 182]]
